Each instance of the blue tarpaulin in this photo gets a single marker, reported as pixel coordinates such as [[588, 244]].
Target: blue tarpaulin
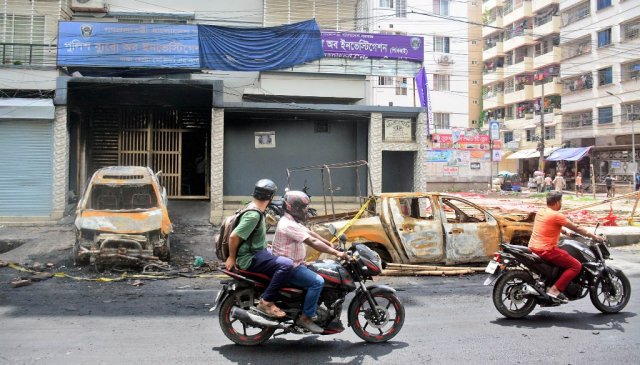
[[569, 154], [259, 49]]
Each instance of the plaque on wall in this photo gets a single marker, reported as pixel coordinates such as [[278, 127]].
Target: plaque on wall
[[397, 130], [265, 139]]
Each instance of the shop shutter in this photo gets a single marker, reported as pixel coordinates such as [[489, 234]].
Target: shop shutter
[[26, 168]]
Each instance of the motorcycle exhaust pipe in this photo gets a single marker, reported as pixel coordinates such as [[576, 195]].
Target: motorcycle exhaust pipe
[[254, 319], [529, 290]]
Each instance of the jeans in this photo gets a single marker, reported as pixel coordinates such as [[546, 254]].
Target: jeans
[[302, 277], [561, 258], [278, 267]]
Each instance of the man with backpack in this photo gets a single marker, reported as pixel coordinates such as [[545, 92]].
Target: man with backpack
[[248, 248]]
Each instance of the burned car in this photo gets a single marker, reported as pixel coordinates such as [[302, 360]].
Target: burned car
[[122, 218]]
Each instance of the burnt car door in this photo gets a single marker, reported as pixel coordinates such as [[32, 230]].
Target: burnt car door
[[471, 233], [419, 229]]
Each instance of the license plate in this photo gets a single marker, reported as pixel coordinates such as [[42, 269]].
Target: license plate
[[491, 268]]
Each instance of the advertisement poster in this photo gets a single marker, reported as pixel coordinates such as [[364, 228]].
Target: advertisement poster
[[461, 158], [497, 155], [438, 155]]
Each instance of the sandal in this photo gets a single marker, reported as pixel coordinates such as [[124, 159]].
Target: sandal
[[560, 298], [270, 309]]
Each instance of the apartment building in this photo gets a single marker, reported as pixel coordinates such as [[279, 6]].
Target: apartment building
[[600, 42], [449, 60], [521, 56]]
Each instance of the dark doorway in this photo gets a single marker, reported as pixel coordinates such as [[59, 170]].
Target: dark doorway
[[194, 164], [397, 171]]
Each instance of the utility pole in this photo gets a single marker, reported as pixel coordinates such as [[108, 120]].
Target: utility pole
[[541, 144], [633, 141]]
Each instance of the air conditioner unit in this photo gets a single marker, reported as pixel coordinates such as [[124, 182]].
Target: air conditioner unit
[[445, 60], [92, 6]]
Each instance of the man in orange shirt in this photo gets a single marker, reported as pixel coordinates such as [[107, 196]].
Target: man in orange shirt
[[544, 239]]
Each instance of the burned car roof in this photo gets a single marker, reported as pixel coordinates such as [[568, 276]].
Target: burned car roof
[[123, 175]]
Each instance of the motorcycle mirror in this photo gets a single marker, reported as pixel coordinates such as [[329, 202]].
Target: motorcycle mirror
[[332, 229], [597, 225], [343, 238]]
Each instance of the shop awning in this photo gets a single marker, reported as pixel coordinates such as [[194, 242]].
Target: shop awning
[[569, 154], [531, 153]]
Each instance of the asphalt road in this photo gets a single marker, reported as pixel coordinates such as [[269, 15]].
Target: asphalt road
[[448, 321]]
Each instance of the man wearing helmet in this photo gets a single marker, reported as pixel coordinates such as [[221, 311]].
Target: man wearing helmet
[[248, 249], [289, 241]]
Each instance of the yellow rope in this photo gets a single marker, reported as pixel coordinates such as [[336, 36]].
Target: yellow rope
[[355, 218]]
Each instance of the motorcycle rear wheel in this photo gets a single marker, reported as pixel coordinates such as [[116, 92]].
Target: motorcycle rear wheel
[[238, 332], [508, 297], [388, 307], [601, 295]]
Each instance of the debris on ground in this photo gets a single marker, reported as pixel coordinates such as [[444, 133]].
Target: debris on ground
[[138, 283], [428, 270], [20, 283]]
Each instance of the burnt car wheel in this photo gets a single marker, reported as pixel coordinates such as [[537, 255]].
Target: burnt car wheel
[[77, 259]]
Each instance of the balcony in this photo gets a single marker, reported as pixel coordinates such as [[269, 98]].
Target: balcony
[[493, 52], [547, 28], [539, 4], [28, 54], [526, 65], [525, 39], [550, 88], [555, 56], [491, 77], [494, 26], [490, 4], [521, 95], [521, 12], [493, 102]]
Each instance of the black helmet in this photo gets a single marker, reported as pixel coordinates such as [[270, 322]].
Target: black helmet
[[264, 189], [296, 203]]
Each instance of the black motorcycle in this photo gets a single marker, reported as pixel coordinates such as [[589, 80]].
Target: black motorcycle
[[375, 313], [523, 278]]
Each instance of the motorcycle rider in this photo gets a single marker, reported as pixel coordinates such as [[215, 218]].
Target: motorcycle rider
[[544, 239], [289, 240], [253, 254]]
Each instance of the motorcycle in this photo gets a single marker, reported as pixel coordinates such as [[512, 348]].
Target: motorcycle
[[522, 278], [375, 313], [275, 210]]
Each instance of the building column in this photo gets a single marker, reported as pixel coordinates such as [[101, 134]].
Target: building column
[[60, 162], [419, 170], [216, 194], [375, 152]]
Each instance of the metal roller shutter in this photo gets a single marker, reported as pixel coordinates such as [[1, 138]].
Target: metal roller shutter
[[26, 168]]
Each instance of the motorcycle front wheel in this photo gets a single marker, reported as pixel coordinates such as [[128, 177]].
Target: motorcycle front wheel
[[238, 332], [611, 295], [390, 317], [509, 297]]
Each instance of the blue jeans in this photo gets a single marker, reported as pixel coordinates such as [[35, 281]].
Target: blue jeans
[[278, 267], [302, 277]]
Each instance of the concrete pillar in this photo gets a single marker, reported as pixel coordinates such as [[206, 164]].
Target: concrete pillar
[[217, 166], [419, 171], [60, 162], [375, 151]]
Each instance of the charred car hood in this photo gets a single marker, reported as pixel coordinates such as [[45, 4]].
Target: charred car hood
[[123, 222]]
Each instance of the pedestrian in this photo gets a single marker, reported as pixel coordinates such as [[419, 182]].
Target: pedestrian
[[539, 182], [608, 182], [637, 181], [559, 183], [579, 184], [547, 183]]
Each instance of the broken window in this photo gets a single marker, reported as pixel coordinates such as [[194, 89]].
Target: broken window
[[458, 211], [418, 208]]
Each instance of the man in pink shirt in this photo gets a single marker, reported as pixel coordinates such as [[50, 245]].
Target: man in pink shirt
[[289, 241]]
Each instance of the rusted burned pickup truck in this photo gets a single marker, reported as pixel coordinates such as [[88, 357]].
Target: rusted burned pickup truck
[[429, 228], [122, 218]]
